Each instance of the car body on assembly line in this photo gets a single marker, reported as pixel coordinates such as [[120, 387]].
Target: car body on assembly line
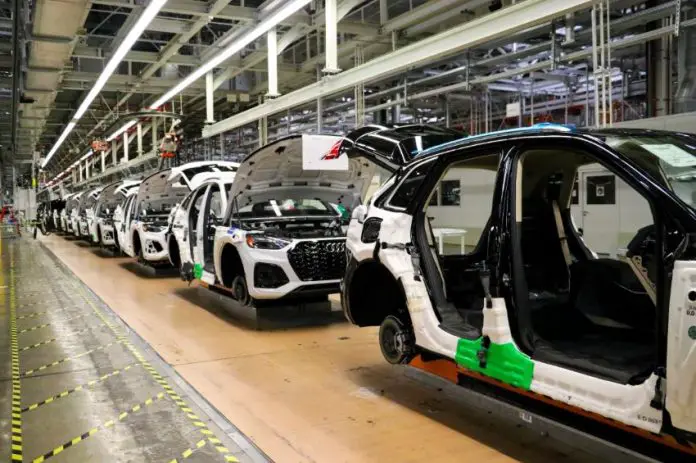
[[70, 213], [61, 214], [85, 213], [110, 201], [283, 235], [487, 253], [147, 223], [122, 213], [193, 225]]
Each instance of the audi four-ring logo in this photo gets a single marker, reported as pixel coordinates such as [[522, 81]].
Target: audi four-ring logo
[[334, 247]]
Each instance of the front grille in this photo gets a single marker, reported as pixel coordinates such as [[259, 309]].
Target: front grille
[[318, 260]]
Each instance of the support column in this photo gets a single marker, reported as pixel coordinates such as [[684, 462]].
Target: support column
[[114, 151], [87, 162], [125, 146], [331, 38], [79, 166], [448, 113], [140, 139], [263, 131], [272, 45], [154, 134], [383, 12], [103, 161], [209, 100]]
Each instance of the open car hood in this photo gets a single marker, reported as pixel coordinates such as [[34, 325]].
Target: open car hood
[[161, 188], [276, 171], [193, 174]]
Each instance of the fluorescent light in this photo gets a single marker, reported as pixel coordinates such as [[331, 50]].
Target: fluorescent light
[[123, 128], [61, 139], [261, 28], [89, 153], [124, 47]]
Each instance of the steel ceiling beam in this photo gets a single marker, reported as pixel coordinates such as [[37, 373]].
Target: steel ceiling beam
[[202, 9], [501, 23], [295, 33]]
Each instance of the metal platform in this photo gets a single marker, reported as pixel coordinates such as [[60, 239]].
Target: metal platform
[[77, 385], [273, 314]]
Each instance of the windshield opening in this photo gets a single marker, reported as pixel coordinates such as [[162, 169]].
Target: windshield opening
[[670, 158], [191, 172], [281, 208]]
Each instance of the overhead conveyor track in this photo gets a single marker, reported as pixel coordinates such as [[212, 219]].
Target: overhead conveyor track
[[80, 386]]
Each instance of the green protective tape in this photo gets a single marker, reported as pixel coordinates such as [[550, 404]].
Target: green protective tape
[[503, 362], [197, 271]]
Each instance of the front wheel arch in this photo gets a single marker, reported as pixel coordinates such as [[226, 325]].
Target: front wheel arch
[[372, 294]]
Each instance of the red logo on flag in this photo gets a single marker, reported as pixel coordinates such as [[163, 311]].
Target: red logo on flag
[[334, 152]]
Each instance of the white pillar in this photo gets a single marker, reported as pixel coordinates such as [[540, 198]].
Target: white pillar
[[103, 161], [125, 146], [331, 38], [272, 39], [79, 166], [383, 12], [140, 139], [74, 176], [87, 163], [209, 101], [154, 134], [114, 151]]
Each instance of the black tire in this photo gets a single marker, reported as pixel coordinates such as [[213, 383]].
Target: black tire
[[396, 341], [140, 254], [240, 290]]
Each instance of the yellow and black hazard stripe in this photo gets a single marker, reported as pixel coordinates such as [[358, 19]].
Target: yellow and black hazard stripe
[[44, 325], [34, 328], [32, 315], [202, 427], [81, 387], [38, 344], [16, 421], [188, 452], [49, 341], [96, 429], [68, 359]]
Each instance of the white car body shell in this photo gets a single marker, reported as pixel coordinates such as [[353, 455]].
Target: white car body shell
[[85, 212], [181, 237], [103, 230], [275, 171], [171, 186]]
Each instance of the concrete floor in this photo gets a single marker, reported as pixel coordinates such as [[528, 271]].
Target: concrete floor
[[79, 387], [308, 394]]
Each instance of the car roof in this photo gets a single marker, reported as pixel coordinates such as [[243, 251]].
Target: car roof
[[544, 129]]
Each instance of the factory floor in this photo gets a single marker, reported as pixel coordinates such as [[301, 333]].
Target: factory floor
[[105, 363]]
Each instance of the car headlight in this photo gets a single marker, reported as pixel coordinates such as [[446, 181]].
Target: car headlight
[[265, 242]]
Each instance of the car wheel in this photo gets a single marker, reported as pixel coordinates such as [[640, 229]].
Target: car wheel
[[240, 290], [396, 341]]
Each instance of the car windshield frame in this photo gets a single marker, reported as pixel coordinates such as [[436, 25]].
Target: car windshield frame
[[668, 157], [276, 209]]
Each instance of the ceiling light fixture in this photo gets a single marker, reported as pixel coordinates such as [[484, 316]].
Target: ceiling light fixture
[[124, 47], [122, 129], [261, 28]]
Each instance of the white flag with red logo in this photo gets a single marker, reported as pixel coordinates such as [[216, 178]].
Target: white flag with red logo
[[323, 152]]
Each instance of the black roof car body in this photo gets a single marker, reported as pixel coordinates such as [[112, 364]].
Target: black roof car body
[[371, 143]]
